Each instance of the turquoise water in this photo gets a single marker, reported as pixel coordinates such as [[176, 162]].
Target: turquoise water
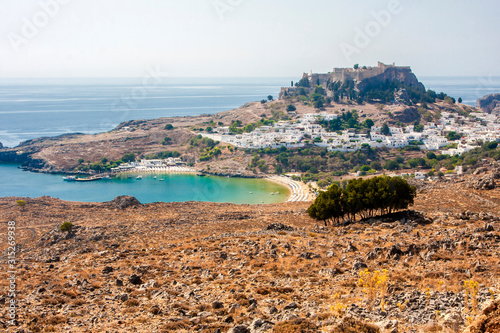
[[174, 188]]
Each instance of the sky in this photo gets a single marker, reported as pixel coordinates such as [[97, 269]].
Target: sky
[[245, 38]]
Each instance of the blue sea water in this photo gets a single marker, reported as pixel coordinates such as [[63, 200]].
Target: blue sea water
[[470, 88], [46, 107], [31, 108]]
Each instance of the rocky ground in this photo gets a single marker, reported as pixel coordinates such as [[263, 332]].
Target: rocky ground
[[206, 267]]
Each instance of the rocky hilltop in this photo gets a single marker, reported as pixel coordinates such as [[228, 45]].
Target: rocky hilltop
[[489, 104], [206, 267], [360, 78]]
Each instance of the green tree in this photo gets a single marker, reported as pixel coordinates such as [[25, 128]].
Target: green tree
[[356, 66], [128, 157], [249, 128], [431, 155], [270, 98], [460, 100], [368, 123], [291, 108], [419, 128], [365, 168], [452, 136], [209, 129], [385, 129], [375, 165], [81, 160], [391, 165], [365, 198], [318, 104], [169, 127], [490, 145]]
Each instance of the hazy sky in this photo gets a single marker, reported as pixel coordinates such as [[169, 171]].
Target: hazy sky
[[114, 38]]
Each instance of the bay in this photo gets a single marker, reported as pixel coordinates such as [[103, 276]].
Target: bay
[[174, 188]]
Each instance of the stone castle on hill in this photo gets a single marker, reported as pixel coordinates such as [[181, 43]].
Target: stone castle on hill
[[361, 76]]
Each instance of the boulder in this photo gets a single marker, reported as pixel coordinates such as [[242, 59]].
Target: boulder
[[124, 201], [135, 279], [358, 265], [291, 306], [239, 329]]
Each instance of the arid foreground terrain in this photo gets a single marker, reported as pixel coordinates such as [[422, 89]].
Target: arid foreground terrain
[[205, 267]]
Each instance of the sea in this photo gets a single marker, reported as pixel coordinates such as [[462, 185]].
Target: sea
[[32, 108]]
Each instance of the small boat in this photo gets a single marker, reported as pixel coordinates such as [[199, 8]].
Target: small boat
[[106, 177], [272, 193], [154, 177], [69, 179], [138, 177], [88, 179], [161, 179], [250, 192]]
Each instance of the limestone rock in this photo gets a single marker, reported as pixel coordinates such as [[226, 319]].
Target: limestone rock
[[279, 227]]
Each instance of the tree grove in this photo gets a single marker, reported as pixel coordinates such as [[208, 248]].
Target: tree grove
[[363, 197]]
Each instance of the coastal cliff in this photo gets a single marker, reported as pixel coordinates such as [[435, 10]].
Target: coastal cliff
[[489, 104]]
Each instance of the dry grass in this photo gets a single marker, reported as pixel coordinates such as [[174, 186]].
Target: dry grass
[[295, 326], [182, 260], [351, 325]]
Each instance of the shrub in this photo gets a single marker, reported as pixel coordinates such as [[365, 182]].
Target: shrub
[[391, 165], [374, 284], [66, 227], [21, 204]]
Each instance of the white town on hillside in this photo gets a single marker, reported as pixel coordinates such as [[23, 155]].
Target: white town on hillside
[[296, 134]]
